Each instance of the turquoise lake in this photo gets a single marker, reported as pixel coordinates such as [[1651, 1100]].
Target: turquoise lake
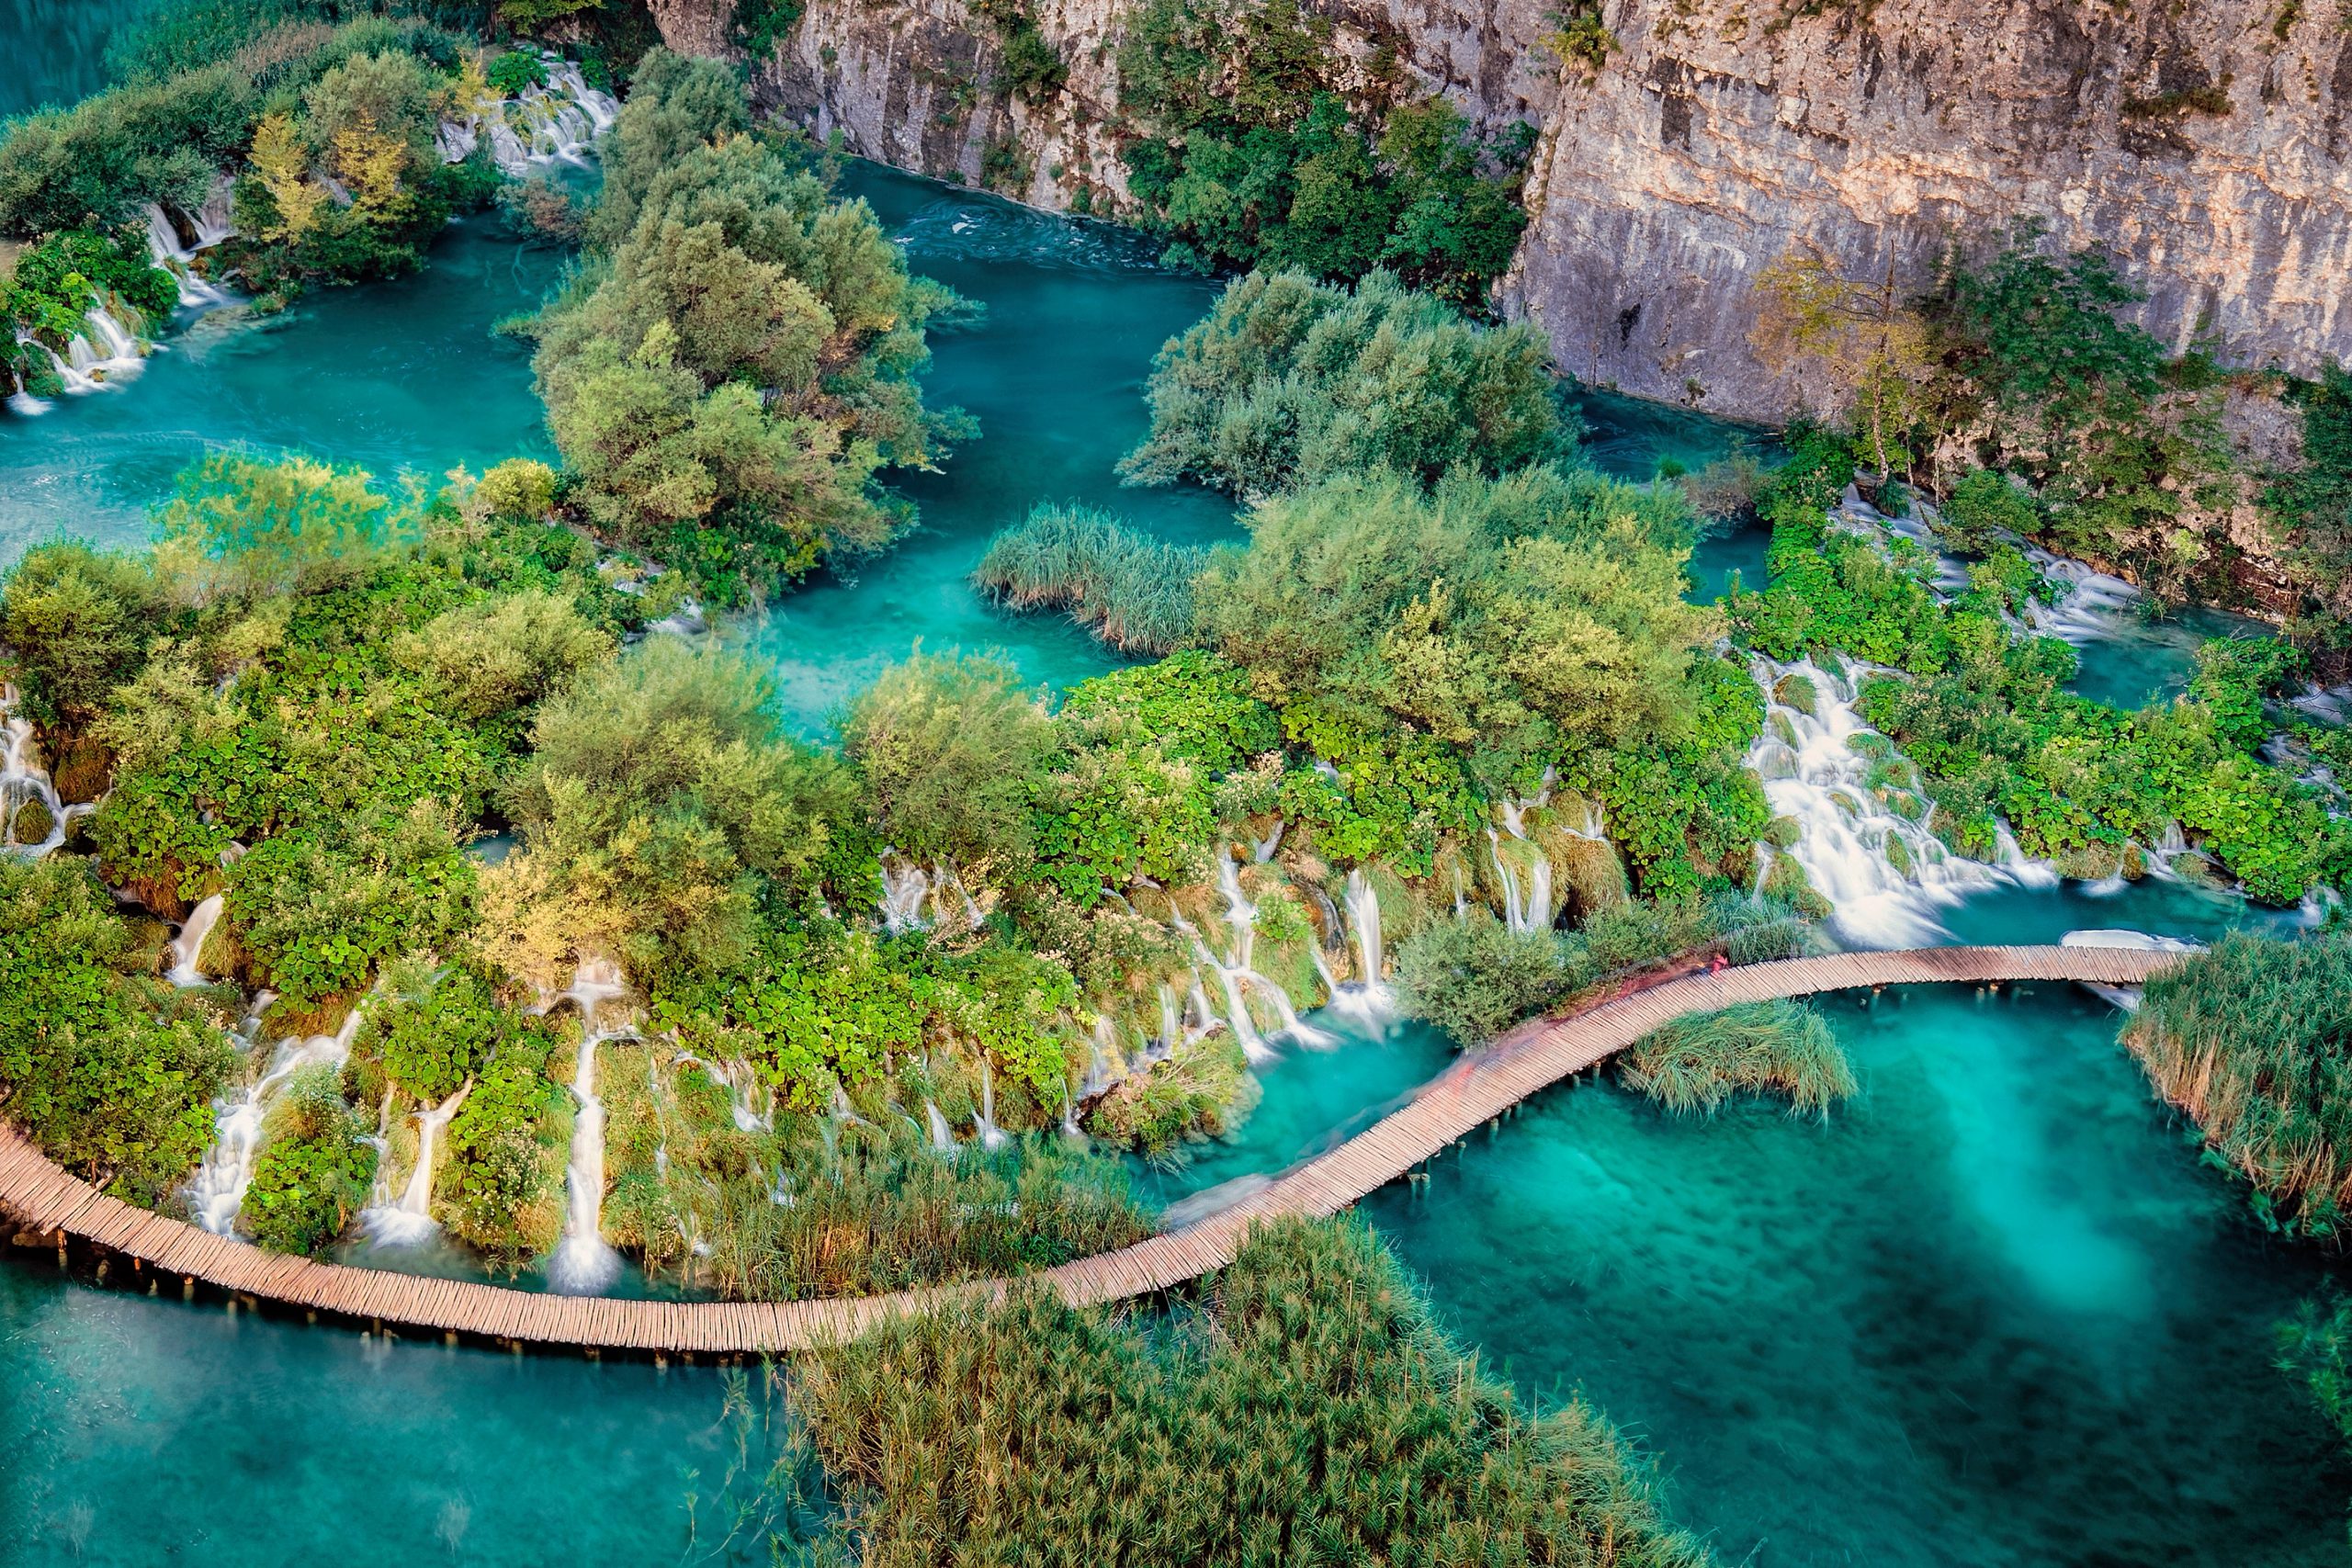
[[1992, 1313]]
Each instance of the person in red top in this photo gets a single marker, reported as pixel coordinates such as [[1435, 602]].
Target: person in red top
[[1719, 963]]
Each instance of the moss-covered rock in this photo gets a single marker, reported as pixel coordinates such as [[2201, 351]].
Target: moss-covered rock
[[1786, 879], [1898, 856], [1796, 690], [33, 824]]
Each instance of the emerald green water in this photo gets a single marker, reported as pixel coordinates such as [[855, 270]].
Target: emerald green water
[[57, 48], [397, 376], [138, 1431], [1994, 1312], [1054, 373]]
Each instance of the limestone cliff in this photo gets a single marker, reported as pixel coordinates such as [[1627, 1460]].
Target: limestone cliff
[[2205, 144]]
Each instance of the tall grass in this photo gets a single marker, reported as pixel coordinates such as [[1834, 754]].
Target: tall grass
[[866, 1208], [2250, 1038], [1777, 1047], [1133, 591], [1308, 1410]]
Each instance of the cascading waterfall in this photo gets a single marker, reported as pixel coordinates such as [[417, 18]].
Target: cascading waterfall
[[1885, 873], [557, 123], [905, 887], [187, 947], [942, 1137], [992, 1136], [218, 1192], [163, 246], [1367, 998], [1527, 906], [582, 1264], [410, 1221], [2095, 607], [24, 783]]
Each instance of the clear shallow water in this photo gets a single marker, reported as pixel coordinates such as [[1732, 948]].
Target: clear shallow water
[[2151, 660], [394, 375], [1053, 372], [1994, 1312], [135, 1430]]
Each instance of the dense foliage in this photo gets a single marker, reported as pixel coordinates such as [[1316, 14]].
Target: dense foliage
[[111, 1071], [1309, 1407], [1288, 382], [734, 363], [2022, 362], [1256, 148], [1982, 710], [1473, 978]]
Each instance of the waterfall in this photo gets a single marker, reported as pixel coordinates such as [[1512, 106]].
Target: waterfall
[[410, 1221], [1265, 848], [24, 783], [1527, 908], [557, 123], [217, 1190], [942, 1137], [1172, 1021], [1367, 998], [992, 1136], [1885, 873], [188, 946], [1252, 1045], [903, 892], [2096, 606], [737, 1080], [583, 1265], [163, 246]]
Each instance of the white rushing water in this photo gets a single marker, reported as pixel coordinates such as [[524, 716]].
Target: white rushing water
[[187, 947], [1883, 870], [555, 124], [583, 1264], [25, 783], [410, 1221], [218, 1192]]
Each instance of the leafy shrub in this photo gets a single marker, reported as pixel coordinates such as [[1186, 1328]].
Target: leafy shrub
[[109, 1069], [1288, 382], [319, 909], [1252, 157], [1473, 978], [513, 72], [313, 1170]]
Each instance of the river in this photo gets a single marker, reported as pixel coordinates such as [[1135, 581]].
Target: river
[[1994, 1312]]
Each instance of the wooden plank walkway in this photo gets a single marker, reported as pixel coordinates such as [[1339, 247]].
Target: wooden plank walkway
[[1477, 1089]]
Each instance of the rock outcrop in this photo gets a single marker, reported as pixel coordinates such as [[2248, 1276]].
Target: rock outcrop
[[2207, 146]]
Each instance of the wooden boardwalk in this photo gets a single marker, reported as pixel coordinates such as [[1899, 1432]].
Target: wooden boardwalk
[[45, 1200]]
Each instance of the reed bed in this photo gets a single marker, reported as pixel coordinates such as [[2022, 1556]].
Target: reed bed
[[858, 1209], [2250, 1038], [1777, 1047], [1133, 592], [1306, 1410]]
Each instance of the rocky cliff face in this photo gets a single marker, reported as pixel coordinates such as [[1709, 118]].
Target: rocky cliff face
[[2206, 145]]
